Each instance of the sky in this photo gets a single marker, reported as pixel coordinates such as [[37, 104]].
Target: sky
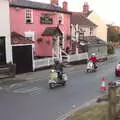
[[108, 10]]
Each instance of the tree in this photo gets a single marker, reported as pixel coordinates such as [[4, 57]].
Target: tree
[[113, 35], [110, 48]]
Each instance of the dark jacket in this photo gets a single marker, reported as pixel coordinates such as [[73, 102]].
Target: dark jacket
[[59, 67]]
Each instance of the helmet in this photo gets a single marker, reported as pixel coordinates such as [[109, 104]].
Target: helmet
[[56, 60], [93, 54], [52, 71]]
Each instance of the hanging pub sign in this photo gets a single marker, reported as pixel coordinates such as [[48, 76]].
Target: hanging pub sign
[[46, 19]]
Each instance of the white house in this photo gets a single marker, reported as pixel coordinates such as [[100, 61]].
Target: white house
[[80, 24], [101, 30], [81, 29], [5, 39], [84, 36]]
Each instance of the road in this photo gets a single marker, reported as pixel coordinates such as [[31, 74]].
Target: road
[[34, 101]]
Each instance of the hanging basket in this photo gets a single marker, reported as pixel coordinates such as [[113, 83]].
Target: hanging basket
[[39, 40], [47, 42]]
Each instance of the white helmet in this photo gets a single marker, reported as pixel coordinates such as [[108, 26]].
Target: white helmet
[[52, 70], [93, 54]]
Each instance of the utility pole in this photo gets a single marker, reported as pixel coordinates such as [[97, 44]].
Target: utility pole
[[113, 106]]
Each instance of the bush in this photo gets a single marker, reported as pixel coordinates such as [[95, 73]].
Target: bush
[[110, 49]]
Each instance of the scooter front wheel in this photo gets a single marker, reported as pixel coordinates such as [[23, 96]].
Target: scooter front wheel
[[64, 83], [51, 85], [88, 70]]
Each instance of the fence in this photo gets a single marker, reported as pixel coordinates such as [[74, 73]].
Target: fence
[[77, 57], [39, 63], [46, 62]]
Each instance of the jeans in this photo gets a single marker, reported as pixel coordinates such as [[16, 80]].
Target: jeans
[[94, 65], [60, 75]]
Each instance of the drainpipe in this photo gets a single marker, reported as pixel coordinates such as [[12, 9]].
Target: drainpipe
[[33, 61]]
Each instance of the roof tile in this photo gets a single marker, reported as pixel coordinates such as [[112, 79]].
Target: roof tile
[[38, 5]]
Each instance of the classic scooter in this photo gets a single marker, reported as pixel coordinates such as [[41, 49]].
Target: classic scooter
[[54, 81], [90, 67]]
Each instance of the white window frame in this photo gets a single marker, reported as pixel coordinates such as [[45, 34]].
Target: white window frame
[[31, 14], [29, 34], [60, 16], [92, 31]]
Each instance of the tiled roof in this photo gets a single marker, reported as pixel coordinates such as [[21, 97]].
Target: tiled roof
[[94, 41], [17, 38], [77, 18], [86, 14], [50, 31], [37, 5]]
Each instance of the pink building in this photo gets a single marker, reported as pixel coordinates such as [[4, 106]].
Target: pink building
[[48, 25]]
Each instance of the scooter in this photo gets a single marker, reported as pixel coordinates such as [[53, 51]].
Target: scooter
[[54, 81], [90, 67]]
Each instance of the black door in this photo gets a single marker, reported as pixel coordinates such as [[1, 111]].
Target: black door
[[22, 57], [2, 51]]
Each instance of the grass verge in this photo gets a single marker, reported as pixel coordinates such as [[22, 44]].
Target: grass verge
[[94, 112]]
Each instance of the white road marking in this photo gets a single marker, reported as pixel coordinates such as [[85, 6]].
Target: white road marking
[[15, 85], [26, 90], [36, 92]]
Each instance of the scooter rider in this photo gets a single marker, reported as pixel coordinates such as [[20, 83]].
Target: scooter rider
[[59, 68], [93, 58]]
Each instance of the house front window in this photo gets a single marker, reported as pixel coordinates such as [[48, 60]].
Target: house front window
[[28, 16], [30, 35]]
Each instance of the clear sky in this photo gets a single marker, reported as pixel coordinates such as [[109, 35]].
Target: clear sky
[[108, 10]]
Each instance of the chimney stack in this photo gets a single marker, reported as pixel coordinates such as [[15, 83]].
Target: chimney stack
[[85, 8], [11, 1], [54, 2], [65, 5]]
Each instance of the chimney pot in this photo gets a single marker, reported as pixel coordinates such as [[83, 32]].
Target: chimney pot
[[85, 8], [65, 5], [54, 2]]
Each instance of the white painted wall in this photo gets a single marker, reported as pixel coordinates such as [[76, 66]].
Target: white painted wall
[[85, 28], [101, 30], [5, 27]]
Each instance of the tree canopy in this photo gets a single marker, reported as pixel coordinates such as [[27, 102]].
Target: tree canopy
[[113, 35]]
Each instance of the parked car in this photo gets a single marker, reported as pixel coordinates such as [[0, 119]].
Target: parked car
[[117, 70]]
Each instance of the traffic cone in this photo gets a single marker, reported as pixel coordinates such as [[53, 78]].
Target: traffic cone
[[103, 87]]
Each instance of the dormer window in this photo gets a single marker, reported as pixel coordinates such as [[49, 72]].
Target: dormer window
[[28, 16]]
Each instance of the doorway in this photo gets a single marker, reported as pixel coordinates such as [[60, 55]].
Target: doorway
[[2, 51], [22, 57]]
